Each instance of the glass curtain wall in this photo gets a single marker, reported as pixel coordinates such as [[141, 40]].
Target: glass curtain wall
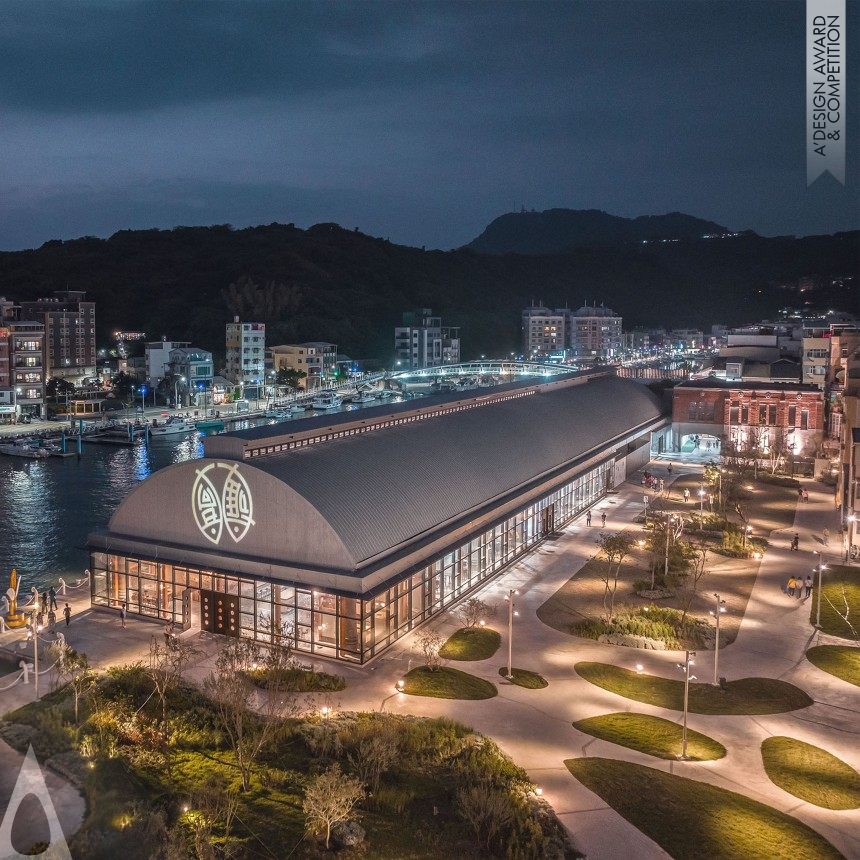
[[334, 625]]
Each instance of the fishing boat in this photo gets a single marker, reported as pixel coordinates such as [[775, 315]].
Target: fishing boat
[[24, 448], [326, 400], [363, 397], [278, 414], [298, 407], [215, 425], [174, 426]]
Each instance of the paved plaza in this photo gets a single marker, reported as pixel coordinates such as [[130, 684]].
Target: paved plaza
[[534, 726]]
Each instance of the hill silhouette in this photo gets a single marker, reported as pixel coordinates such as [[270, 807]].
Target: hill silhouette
[[327, 283], [557, 231]]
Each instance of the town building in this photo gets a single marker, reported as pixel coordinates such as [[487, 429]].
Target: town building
[[593, 332], [348, 531], [246, 353], [316, 359], [543, 332], [70, 334], [157, 359], [762, 415], [191, 371], [22, 370], [422, 341]]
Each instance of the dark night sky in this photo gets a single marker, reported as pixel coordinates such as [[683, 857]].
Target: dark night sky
[[417, 121]]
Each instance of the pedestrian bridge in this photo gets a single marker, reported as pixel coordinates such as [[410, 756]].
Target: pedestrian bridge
[[507, 369]]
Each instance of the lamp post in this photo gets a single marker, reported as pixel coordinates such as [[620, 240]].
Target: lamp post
[[848, 535], [143, 398], [685, 666], [511, 614], [702, 506], [645, 501], [747, 532], [719, 609], [821, 568], [176, 382], [35, 629]]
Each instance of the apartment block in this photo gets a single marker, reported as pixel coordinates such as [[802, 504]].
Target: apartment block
[[246, 352]]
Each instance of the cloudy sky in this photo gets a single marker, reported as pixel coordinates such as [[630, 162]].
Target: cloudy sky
[[416, 121]]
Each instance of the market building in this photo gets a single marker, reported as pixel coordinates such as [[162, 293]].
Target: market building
[[350, 530]]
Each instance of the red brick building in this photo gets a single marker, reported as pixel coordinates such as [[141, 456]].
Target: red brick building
[[747, 413]]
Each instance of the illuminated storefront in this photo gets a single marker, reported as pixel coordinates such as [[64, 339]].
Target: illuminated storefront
[[353, 543]]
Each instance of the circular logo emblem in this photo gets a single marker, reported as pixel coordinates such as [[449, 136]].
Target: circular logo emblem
[[221, 501]]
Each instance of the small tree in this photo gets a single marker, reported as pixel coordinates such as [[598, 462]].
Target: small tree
[[698, 556], [473, 611], [81, 676], [615, 548], [330, 798], [486, 809], [430, 642], [249, 730], [374, 756]]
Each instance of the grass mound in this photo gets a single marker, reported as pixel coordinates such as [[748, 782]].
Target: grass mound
[[843, 661], [297, 680], [447, 683], [691, 819], [810, 773], [841, 584], [746, 696], [471, 643], [655, 622], [524, 678], [651, 735]]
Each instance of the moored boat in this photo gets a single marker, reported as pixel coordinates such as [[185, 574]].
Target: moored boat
[[326, 400], [174, 426], [24, 448]]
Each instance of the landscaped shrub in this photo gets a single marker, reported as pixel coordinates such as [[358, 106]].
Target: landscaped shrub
[[652, 622]]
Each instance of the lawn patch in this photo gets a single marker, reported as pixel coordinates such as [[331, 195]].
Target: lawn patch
[[837, 578], [843, 661], [746, 696], [691, 819], [810, 773], [471, 643], [447, 683], [524, 678], [651, 735]]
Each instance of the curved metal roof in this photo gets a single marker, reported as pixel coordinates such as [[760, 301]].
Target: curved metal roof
[[344, 502]]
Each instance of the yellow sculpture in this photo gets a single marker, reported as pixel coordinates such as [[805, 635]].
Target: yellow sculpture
[[14, 618]]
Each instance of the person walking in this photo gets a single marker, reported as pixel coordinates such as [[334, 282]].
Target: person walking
[[67, 613], [795, 542], [603, 520], [805, 495], [52, 597], [669, 468], [588, 517], [686, 495], [122, 615], [789, 588], [826, 535], [45, 602], [808, 585], [798, 587], [52, 619]]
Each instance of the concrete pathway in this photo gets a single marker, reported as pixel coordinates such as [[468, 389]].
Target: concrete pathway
[[534, 726]]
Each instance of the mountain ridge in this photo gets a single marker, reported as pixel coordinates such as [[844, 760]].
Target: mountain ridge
[[558, 231]]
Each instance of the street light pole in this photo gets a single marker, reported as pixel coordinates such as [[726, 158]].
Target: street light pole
[[35, 629], [688, 661], [821, 568], [718, 610], [702, 506], [511, 613]]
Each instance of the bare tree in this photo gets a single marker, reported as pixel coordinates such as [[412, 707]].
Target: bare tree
[[210, 805], [430, 641], [82, 677], [165, 671], [248, 728], [698, 554], [330, 798], [374, 756], [473, 611], [486, 809], [615, 548]]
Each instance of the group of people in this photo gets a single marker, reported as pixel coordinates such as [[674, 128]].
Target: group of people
[[652, 483], [803, 494], [602, 518], [48, 609], [797, 585], [709, 443]]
